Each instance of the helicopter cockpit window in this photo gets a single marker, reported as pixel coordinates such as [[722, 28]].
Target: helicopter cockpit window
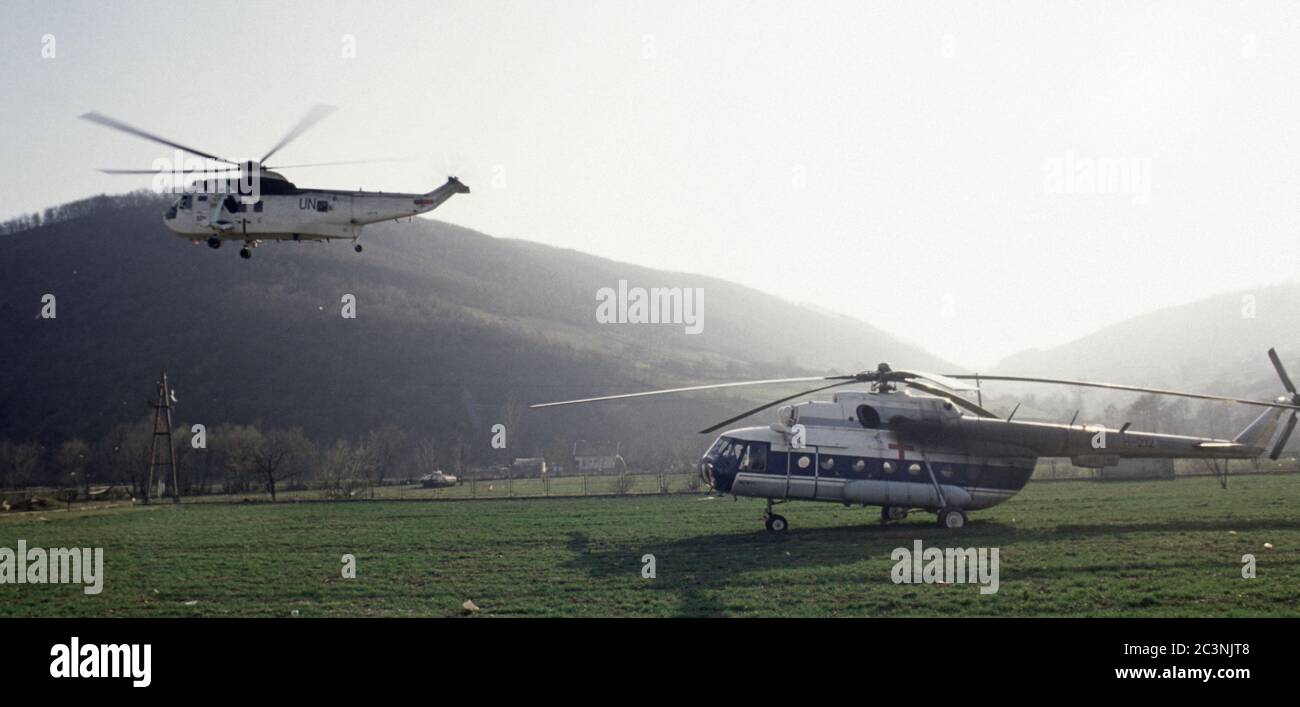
[[868, 417], [755, 457], [731, 455], [322, 206], [186, 201]]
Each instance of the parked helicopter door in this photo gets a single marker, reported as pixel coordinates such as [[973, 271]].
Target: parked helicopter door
[[801, 473]]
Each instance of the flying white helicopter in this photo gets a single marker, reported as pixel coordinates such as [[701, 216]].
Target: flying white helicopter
[[254, 203], [928, 448]]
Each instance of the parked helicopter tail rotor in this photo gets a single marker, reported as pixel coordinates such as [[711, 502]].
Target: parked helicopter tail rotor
[[1285, 435]]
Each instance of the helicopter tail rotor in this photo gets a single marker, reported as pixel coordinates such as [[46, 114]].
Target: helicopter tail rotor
[[1294, 400]]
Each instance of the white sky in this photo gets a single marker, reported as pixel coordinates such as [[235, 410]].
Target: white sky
[[890, 161]]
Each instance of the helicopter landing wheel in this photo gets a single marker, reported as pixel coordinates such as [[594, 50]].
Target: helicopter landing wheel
[[245, 253], [952, 518], [357, 247], [777, 523], [214, 243], [892, 514]]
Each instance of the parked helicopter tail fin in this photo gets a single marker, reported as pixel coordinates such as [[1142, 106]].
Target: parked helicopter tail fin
[[1260, 432]]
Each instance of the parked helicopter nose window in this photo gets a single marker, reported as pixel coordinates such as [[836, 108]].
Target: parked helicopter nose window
[[868, 417], [859, 465], [914, 469]]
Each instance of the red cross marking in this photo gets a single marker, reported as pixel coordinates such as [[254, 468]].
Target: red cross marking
[[902, 448]]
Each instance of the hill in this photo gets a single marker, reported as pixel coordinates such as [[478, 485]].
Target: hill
[[454, 331]]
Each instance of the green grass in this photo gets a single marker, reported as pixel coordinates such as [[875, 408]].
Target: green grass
[[1164, 548]]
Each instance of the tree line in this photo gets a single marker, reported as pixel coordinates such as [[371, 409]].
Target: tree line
[[83, 207]]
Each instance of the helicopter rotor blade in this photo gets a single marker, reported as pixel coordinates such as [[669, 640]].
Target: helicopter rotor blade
[[334, 164], [131, 130], [1281, 372], [317, 113], [1130, 388], [714, 386], [1282, 438], [948, 382], [956, 399], [765, 406]]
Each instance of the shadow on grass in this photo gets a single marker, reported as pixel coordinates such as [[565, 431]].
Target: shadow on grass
[[698, 571]]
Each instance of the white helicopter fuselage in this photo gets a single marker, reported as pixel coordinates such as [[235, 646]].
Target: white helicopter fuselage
[[906, 450], [282, 211]]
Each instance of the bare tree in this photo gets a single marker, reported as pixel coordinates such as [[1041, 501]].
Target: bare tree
[[283, 455], [19, 463], [72, 461], [385, 445], [346, 468]]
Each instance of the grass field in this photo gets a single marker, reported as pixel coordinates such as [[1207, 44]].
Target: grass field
[[1161, 548]]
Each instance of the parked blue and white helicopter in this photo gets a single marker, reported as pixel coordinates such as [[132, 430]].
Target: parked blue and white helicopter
[[922, 446]]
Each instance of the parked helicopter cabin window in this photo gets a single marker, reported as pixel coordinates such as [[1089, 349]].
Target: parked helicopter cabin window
[[859, 466], [888, 467], [804, 461], [914, 469], [868, 417], [828, 463], [755, 458], [946, 472], [203, 197], [186, 201], [322, 206]]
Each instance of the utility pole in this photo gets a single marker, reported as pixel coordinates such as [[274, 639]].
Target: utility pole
[[162, 427]]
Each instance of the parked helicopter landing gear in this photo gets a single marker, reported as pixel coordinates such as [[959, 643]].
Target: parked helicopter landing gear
[[952, 518], [214, 242], [892, 514], [775, 523]]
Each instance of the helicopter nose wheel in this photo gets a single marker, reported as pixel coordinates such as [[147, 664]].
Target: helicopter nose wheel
[[952, 518], [214, 243], [245, 253]]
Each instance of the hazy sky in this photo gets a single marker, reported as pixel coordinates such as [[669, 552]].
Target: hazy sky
[[924, 167]]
